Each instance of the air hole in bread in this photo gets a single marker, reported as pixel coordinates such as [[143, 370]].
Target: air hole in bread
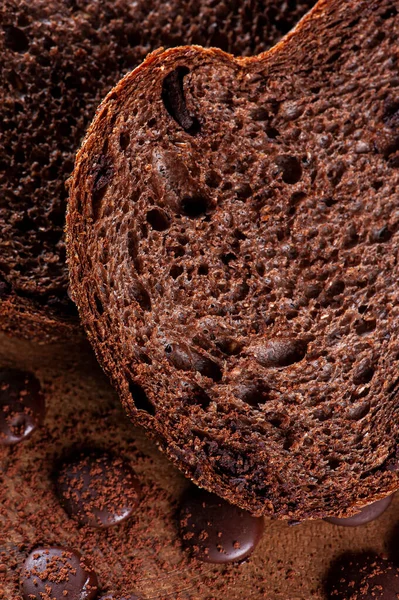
[[363, 327], [272, 132], [361, 392], [227, 258], [5, 287], [259, 114], [312, 290], [260, 269], [351, 238], [393, 162], [194, 206], [203, 269], [333, 58], [290, 168], [277, 420], [334, 462], [335, 288], [297, 197], [387, 144], [381, 235], [185, 358], [240, 292], [363, 308], [389, 13], [254, 394], [178, 356], [99, 306], [202, 341], [158, 219], [183, 239], [357, 412], [100, 185], [329, 201], [175, 102], [15, 39], [391, 112], [243, 191], [375, 39], [178, 251], [393, 387], [280, 352], [124, 140], [363, 372], [140, 398], [198, 397], [239, 235], [229, 346], [289, 441], [133, 250], [323, 414], [15, 80], [207, 367], [176, 271], [143, 357], [140, 294], [213, 180], [26, 224]]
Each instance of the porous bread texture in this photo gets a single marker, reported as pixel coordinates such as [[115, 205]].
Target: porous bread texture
[[232, 236], [58, 58]]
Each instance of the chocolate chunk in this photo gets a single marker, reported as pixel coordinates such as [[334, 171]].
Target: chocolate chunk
[[99, 491], [362, 577], [216, 531], [367, 514], [22, 405], [57, 573]]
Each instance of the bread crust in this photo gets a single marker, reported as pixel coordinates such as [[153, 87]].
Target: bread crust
[[271, 382]]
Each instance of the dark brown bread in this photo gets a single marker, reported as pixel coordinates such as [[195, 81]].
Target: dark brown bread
[[232, 238], [58, 58]]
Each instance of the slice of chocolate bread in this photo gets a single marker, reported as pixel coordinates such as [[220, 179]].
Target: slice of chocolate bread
[[232, 237], [58, 59]]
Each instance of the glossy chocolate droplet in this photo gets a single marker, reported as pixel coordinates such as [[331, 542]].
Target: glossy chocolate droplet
[[22, 405], [98, 491], [59, 574], [215, 531], [367, 514], [362, 577]]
